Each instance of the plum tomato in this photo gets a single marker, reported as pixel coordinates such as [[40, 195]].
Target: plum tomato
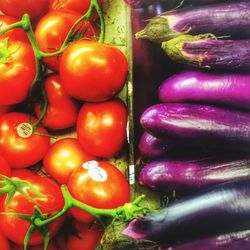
[[92, 71], [101, 127], [62, 109], [63, 157], [99, 184], [18, 151]]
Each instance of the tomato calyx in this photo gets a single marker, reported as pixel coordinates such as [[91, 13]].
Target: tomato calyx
[[10, 186]]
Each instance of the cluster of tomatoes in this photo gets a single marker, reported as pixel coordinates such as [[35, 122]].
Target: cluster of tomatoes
[[80, 89]]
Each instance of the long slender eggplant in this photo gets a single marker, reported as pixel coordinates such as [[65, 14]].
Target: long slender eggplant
[[230, 241], [219, 210], [206, 51], [200, 87], [186, 176], [199, 124], [226, 19]]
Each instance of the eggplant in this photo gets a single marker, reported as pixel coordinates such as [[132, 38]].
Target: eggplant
[[219, 210], [187, 175], [206, 51], [199, 124], [226, 19], [201, 87], [230, 241]]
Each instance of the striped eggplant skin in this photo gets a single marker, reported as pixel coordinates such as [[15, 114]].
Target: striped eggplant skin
[[198, 124], [187, 176], [225, 19], [200, 87], [136, 4], [231, 241], [219, 210], [206, 51]]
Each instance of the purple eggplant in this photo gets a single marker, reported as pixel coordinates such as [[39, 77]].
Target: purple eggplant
[[199, 124], [231, 241], [227, 19], [206, 51], [219, 210], [186, 176], [194, 86]]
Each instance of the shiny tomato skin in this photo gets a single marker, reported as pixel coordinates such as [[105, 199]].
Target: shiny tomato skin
[[62, 110], [51, 246], [15, 34], [87, 236], [101, 127], [63, 157], [21, 152], [109, 191], [4, 168], [92, 71], [52, 30], [17, 72], [80, 6], [16, 8], [51, 201], [4, 243]]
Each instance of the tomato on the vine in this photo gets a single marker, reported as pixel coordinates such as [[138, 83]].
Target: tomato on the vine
[[98, 184], [80, 6], [16, 8], [101, 127], [4, 243], [63, 157], [52, 30], [21, 152], [62, 109], [93, 71], [18, 70], [51, 246], [4, 109], [85, 237], [4, 168], [51, 201], [15, 34]]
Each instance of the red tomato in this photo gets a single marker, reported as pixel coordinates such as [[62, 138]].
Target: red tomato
[[92, 71], [62, 110], [18, 69], [101, 127], [4, 109], [4, 168], [98, 184], [15, 34], [16, 8], [63, 157], [87, 236], [21, 152], [22, 173], [52, 200], [4, 243], [51, 246], [52, 30], [80, 6]]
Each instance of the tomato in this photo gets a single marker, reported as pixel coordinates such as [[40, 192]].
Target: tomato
[[98, 184], [93, 71], [80, 6], [4, 167], [63, 157], [101, 127], [51, 246], [21, 152], [4, 109], [52, 200], [18, 69], [4, 243], [15, 34], [62, 110], [52, 30], [87, 236], [16, 8]]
